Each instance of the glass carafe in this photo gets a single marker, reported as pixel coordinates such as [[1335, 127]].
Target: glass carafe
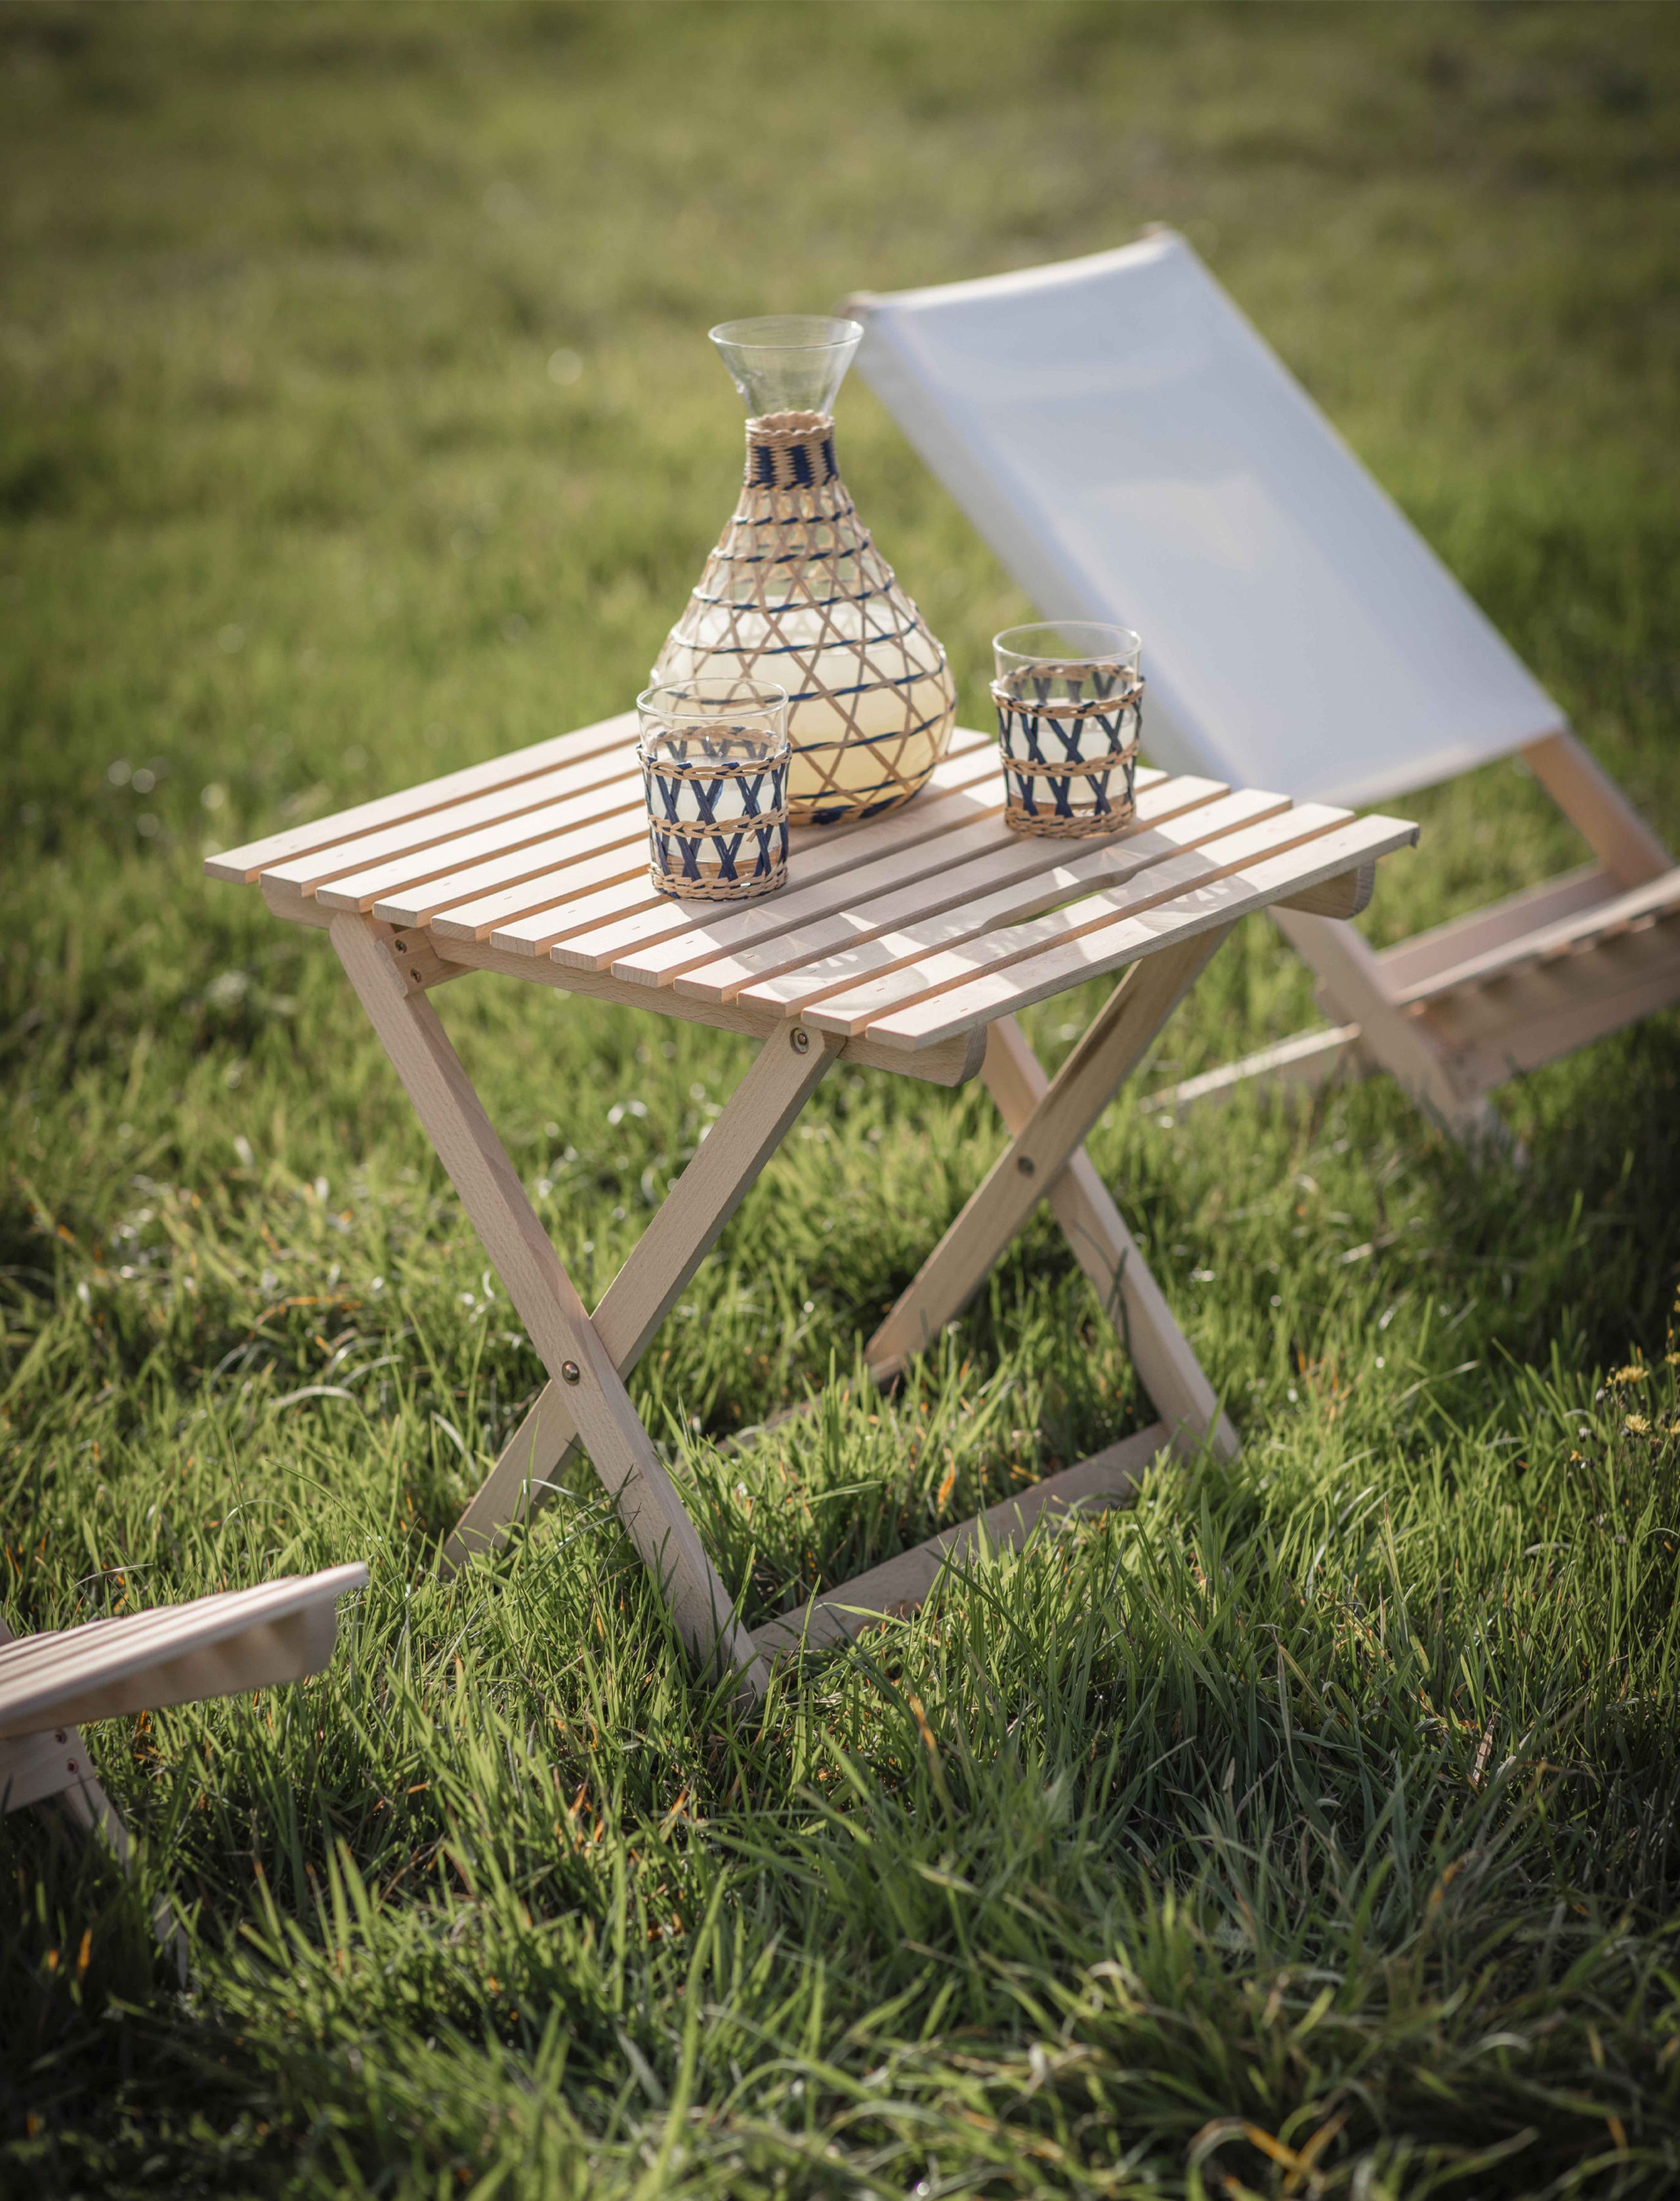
[[796, 592]]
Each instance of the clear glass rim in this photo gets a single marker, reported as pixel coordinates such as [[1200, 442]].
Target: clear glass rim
[[787, 333], [708, 694], [718, 706], [1064, 642]]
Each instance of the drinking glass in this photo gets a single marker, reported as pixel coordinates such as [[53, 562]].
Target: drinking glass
[[1069, 701], [713, 754]]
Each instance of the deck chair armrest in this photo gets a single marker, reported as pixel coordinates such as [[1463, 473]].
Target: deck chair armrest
[[220, 1645]]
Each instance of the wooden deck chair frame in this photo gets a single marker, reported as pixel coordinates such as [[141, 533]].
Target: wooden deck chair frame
[[1132, 450], [214, 1646]]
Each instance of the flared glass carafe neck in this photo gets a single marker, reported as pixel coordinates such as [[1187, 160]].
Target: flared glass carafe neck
[[787, 363]]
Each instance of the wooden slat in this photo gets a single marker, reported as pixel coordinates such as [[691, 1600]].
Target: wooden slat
[[243, 865], [33, 1767], [1548, 1009], [546, 841], [546, 876], [1341, 898], [1003, 860], [392, 858], [951, 1065], [821, 854], [899, 1585], [1568, 935], [552, 834], [973, 912], [1420, 957], [1351, 990], [1165, 883], [766, 925], [174, 1653], [1093, 951], [815, 850], [987, 847]]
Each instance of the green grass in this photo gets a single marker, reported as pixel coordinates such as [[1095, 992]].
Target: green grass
[[1310, 1828]]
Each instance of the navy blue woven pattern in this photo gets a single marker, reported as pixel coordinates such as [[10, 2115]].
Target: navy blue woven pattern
[[718, 860], [796, 592], [802, 465], [1071, 760], [690, 845]]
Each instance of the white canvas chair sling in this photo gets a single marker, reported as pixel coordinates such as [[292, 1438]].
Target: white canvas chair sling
[[1132, 450], [175, 1654]]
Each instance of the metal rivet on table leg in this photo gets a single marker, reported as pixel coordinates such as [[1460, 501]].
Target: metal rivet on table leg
[[569, 1369], [1026, 1164], [801, 1040]]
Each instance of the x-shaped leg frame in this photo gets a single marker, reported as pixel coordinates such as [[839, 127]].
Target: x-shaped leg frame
[[587, 1360]]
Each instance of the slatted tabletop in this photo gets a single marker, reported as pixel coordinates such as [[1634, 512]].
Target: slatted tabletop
[[906, 935], [907, 942]]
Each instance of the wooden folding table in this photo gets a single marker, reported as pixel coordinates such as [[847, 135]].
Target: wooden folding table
[[909, 943]]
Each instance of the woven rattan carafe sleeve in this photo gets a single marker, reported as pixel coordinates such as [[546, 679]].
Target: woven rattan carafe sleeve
[[795, 592]]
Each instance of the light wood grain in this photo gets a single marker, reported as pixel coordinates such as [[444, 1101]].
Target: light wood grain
[[214, 1646], [245, 865], [547, 1303], [606, 816], [34, 1767], [1105, 1249], [1353, 987], [449, 822], [928, 873], [1547, 1008], [682, 1232], [1341, 898], [1004, 872], [1608, 822], [475, 914], [898, 1586], [588, 819], [1598, 925], [1082, 1087], [1457, 942], [948, 1064], [618, 921], [1172, 884], [1089, 952], [977, 909]]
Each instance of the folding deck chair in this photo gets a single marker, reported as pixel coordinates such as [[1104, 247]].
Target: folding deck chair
[[176, 1654], [1132, 450]]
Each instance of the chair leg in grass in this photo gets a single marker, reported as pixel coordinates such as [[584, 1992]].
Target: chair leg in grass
[[53, 1772]]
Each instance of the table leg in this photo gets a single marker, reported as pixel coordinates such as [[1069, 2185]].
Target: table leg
[[781, 1078], [547, 1301], [1106, 1250], [1049, 1119]]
